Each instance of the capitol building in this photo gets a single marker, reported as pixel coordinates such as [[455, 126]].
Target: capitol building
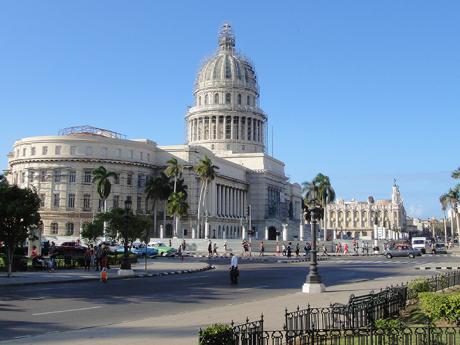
[[226, 124]]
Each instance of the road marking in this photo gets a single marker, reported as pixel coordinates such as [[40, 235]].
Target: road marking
[[65, 311], [254, 287]]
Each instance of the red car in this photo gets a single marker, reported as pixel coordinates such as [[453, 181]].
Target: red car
[[71, 249]]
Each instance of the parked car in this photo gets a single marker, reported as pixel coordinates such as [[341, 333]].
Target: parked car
[[71, 249], [402, 251], [112, 245], [163, 249], [439, 248], [143, 250]]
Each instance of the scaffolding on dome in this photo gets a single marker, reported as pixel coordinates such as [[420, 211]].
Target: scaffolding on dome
[[90, 130]]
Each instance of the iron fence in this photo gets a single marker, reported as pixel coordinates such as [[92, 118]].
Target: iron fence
[[438, 282], [425, 335]]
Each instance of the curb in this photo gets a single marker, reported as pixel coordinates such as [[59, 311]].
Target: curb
[[425, 268], [83, 280], [300, 260]]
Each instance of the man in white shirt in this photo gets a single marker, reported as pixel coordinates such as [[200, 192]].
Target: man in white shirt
[[234, 273]]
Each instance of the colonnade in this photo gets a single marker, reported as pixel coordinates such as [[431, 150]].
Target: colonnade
[[231, 202], [222, 127], [362, 219]]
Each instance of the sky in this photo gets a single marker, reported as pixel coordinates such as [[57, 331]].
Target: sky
[[362, 91]]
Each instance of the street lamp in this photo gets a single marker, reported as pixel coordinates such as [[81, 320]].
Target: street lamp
[[313, 282], [126, 265]]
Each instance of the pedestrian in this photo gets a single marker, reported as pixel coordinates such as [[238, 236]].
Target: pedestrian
[[289, 250], [87, 259], [306, 249], [284, 249], [170, 243], [214, 250], [245, 249], [209, 249], [325, 250], [53, 254], [277, 249], [261, 248], [297, 250], [105, 257], [234, 272], [337, 248], [184, 245], [345, 249], [98, 255], [180, 253], [93, 256], [225, 248]]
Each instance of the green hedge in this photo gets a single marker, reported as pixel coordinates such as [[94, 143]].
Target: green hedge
[[218, 334], [418, 286], [439, 306]]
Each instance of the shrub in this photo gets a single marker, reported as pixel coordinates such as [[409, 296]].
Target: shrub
[[388, 324], [218, 334], [417, 286], [441, 306]]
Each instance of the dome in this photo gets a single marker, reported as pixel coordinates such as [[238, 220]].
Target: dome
[[227, 67]]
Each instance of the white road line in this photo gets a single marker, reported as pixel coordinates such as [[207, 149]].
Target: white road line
[[66, 311]]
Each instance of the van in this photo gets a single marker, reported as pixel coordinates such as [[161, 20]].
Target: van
[[420, 243]]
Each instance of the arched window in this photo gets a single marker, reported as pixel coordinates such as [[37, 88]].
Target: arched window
[[69, 229], [206, 99], [54, 228], [228, 98], [239, 99], [216, 98]]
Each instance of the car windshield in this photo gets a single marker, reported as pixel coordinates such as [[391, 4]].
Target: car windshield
[[419, 242]]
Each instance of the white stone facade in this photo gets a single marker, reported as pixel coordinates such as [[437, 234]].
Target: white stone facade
[[226, 125]]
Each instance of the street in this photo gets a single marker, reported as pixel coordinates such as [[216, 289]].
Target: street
[[38, 309]]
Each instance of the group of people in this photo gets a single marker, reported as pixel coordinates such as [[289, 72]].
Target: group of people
[[96, 257], [39, 260], [287, 249]]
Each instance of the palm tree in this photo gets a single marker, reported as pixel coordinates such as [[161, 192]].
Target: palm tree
[[326, 194], [443, 199], [177, 207], [101, 177], [456, 173], [206, 171], [173, 169], [453, 198], [157, 188]]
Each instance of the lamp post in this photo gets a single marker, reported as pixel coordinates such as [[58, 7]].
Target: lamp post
[[313, 282], [126, 265]]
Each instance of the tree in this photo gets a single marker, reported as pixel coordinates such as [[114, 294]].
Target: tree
[[101, 177], [19, 216], [92, 231], [326, 194], [456, 173], [173, 169], [443, 199], [157, 188], [177, 206], [453, 198], [126, 227], [206, 171]]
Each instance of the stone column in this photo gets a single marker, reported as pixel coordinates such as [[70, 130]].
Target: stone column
[[266, 233], [206, 229], [301, 227], [193, 233], [243, 232], [162, 232], [231, 128], [285, 232]]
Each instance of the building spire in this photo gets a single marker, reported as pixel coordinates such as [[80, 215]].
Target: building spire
[[226, 37]]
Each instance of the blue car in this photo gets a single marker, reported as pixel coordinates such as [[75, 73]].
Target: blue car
[[142, 251]]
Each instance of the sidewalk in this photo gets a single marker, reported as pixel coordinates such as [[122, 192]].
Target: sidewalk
[[154, 268], [182, 328]]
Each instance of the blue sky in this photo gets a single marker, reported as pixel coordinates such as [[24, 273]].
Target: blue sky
[[363, 91]]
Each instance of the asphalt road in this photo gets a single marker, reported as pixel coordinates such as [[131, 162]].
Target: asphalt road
[[38, 309]]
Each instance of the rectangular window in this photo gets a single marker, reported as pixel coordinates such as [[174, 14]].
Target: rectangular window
[[32, 151], [86, 202], [42, 200], [24, 151], [116, 201], [139, 180], [116, 179], [71, 201], [87, 176], [43, 176], [56, 200], [23, 177], [139, 204], [129, 180], [57, 149], [44, 150], [72, 176], [128, 202], [73, 150], [57, 175]]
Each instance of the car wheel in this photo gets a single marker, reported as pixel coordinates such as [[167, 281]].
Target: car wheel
[[411, 255], [389, 256]]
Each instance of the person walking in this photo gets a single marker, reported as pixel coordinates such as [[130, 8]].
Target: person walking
[[209, 249], [345, 249], [214, 250], [225, 248], [261, 248], [297, 250], [284, 249], [277, 249], [98, 255], [234, 272], [53, 254], [87, 259], [289, 250], [180, 252], [325, 250]]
